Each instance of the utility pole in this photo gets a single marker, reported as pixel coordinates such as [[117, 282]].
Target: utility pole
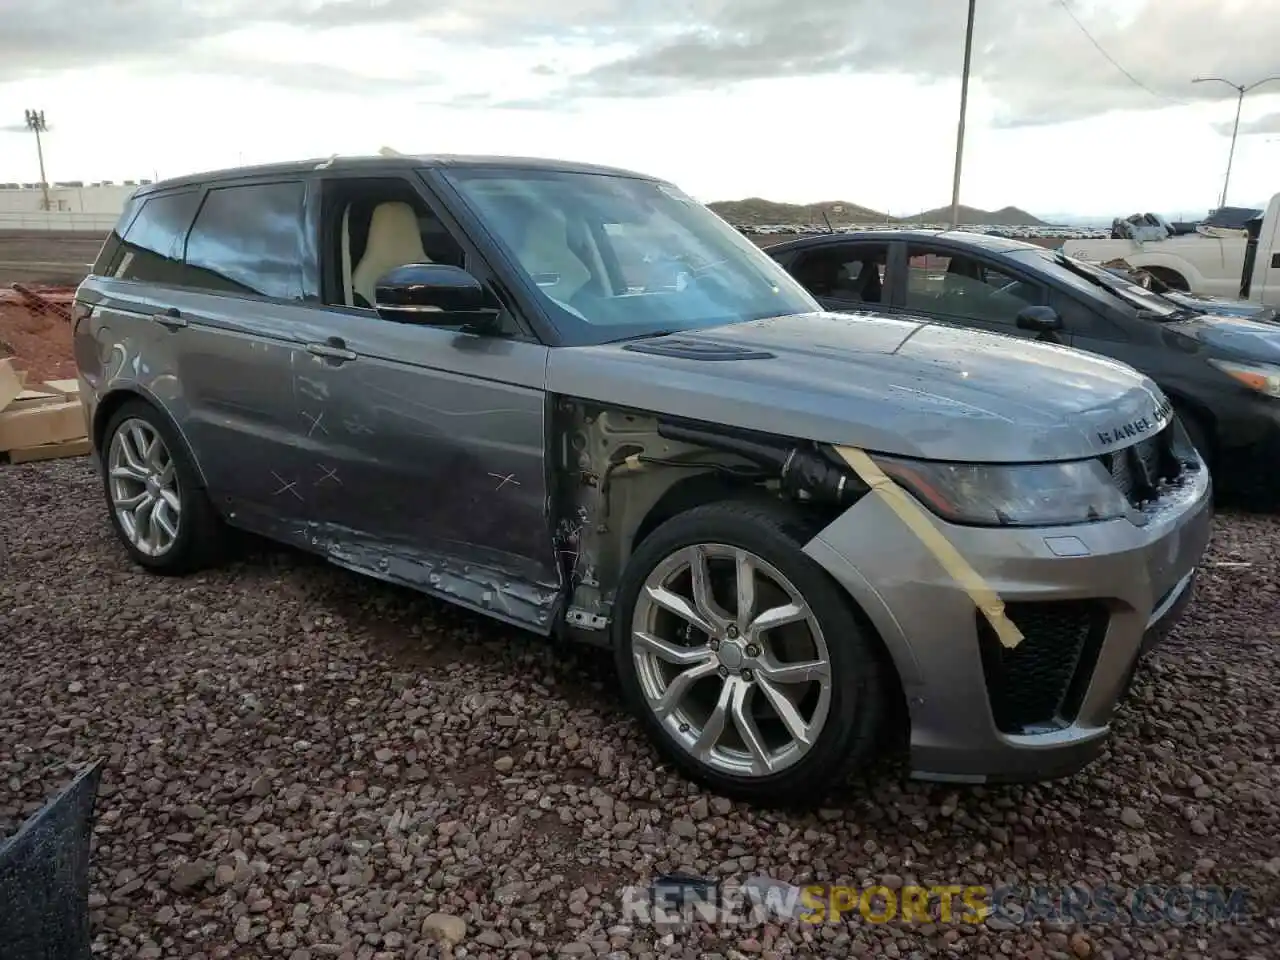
[[964, 102], [1241, 90], [36, 124]]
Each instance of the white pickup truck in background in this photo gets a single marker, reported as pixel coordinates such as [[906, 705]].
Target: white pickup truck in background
[[1213, 261]]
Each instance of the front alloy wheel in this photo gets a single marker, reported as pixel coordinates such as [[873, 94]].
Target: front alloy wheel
[[743, 658], [745, 689]]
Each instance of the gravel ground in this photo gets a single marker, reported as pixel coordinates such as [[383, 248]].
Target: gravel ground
[[303, 763]]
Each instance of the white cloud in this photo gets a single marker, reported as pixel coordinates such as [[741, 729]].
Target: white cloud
[[707, 92]]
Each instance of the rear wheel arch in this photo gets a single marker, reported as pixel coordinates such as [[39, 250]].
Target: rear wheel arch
[[113, 401], [1169, 276]]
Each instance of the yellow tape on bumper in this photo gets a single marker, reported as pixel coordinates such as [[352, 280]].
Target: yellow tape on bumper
[[910, 513]]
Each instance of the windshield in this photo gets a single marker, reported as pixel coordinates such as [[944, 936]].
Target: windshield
[[1091, 279], [616, 257]]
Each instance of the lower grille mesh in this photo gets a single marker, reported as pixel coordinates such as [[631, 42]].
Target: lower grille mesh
[[1042, 681]]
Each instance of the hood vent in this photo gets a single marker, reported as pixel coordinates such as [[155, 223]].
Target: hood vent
[[686, 348]]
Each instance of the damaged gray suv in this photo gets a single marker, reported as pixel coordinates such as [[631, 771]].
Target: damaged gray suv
[[573, 399]]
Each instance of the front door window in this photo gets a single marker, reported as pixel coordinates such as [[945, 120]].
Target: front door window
[[959, 286]]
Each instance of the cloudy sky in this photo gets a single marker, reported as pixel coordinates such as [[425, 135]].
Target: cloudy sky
[[797, 100]]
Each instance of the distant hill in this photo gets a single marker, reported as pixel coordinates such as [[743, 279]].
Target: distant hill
[[755, 211], [1004, 217]]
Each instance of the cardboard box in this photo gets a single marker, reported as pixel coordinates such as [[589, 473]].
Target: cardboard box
[[11, 383], [67, 388], [34, 398], [50, 451], [49, 423]]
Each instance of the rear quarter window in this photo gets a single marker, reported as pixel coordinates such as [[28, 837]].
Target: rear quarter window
[[150, 248], [248, 239]]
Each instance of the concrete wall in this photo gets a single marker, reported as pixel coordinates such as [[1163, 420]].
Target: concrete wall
[[104, 199], [56, 221]]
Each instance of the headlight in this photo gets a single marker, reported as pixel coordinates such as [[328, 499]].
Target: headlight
[[1262, 377], [1032, 495]]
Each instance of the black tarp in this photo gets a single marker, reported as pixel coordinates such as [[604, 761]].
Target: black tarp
[[44, 877]]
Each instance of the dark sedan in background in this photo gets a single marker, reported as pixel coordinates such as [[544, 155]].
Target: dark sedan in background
[[1222, 372]]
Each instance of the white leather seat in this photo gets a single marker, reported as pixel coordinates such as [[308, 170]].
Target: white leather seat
[[394, 240], [545, 251]]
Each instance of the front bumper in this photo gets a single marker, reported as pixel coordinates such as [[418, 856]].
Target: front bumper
[[1088, 598]]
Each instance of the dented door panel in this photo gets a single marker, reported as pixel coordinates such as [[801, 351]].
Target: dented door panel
[[426, 458]]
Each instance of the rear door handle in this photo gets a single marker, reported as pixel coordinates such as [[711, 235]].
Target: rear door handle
[[334, 349], [171, 318]]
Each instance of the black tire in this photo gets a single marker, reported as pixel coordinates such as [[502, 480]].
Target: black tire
[[202, 536], [859, 703]]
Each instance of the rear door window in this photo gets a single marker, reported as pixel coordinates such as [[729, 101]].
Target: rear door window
[[248, 239], [150, 250], [845, 274]]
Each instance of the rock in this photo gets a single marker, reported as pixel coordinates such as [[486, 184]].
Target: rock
[[503, 764], [189, 875], [490, 938], [1132, 819], [444, 927]]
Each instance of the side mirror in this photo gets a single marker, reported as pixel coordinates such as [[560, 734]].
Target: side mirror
[[436, 294], [1042, 320]]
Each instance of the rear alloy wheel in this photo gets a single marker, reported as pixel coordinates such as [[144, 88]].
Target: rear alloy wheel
[[742, 656], [145, 495], [158, 507]]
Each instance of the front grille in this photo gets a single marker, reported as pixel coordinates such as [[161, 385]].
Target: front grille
[[1042, 681], [1143, 472]]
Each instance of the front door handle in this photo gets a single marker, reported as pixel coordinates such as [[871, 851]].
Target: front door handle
[[335, 348], [171, 318]]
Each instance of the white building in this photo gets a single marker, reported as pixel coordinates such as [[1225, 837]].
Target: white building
[[72, 206], [67, 197]]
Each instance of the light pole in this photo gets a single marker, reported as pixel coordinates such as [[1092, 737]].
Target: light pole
[[964, 102], [36, 124], [1241, 90]]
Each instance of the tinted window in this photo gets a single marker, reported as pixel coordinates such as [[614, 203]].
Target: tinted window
[[151, 249], [853, 274], [248, 240], [955, 285]]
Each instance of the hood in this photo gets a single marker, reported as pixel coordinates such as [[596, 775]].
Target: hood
[[889, 385], [1221, 306], [1238, 338]]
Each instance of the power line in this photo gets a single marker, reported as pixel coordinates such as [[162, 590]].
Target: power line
[[1112, 60]]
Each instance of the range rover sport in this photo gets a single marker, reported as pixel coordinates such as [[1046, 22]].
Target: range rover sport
[[573, 399]]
